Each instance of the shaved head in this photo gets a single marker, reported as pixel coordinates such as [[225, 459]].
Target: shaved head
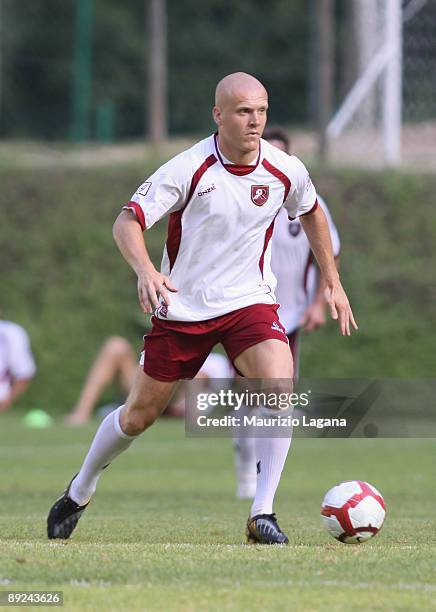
[[237, 85], [241, 104]]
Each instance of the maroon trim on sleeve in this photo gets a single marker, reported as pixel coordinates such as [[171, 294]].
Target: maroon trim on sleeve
[[175, 219], [309, 212], [139, 214], [278, 174]]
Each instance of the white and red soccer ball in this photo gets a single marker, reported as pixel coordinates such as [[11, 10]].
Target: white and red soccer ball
[[353, 511]]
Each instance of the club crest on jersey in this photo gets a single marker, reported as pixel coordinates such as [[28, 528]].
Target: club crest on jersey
[[162, 311], [259, 194]]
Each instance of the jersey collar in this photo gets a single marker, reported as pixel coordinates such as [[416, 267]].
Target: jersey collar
[[237, 169]]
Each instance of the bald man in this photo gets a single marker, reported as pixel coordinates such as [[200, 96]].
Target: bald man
[[215, 286]]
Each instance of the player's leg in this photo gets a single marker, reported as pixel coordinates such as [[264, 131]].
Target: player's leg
[[147, 399], [244, 442], [169, 355], [244, 446], [115, 359], [257, 345], [271, 362], [294, 345], [268, 359]]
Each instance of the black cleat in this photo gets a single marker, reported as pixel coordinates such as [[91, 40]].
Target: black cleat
[[264, 529], [64, 516]]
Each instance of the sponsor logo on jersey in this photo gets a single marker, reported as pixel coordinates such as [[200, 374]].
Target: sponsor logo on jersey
[[144, 188], [206, 190], [259, 194]]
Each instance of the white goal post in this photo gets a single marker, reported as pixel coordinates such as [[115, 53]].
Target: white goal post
[[386, 64]]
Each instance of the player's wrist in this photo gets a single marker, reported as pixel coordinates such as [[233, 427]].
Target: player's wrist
[[333, 281], [145, 271]]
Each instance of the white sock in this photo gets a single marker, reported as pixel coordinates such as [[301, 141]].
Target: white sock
[[109, 442], [245, 457], [271, 455]]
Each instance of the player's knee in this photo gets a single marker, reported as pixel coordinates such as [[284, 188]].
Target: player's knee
[[280, 395], [280, 386], [137, 417], [116, 346]]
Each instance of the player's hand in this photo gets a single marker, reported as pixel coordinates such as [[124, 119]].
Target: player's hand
[[340, 308], [313, 317], [152, 285]]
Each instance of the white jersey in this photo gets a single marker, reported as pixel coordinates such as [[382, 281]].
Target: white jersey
[[16, 359], [293, 265], [221, 218]]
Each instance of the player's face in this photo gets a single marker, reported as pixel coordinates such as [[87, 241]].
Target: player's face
[[241, 121]]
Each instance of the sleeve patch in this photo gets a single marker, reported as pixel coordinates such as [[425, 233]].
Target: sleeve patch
[[144, 188]]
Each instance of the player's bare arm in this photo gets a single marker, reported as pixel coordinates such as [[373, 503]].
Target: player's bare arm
[[151, 283], [314, 316], [316, 227]]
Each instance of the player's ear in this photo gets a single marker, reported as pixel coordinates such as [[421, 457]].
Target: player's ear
[[216, 113]]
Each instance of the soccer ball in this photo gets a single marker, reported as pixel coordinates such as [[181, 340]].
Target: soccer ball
[[353, 511]]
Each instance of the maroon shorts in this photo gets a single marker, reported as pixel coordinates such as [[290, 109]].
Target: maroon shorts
[[177, 349]]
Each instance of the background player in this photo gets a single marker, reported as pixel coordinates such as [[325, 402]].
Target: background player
[[116, 362], [300, 292], [222, 195], [17, 365]]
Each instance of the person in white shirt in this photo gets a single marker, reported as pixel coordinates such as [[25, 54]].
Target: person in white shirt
[[215, 286], [300, 288], [300, 293], [17, 364]]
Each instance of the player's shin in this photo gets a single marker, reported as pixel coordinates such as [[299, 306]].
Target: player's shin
[[245, 457], [271, 453], [109, 442]]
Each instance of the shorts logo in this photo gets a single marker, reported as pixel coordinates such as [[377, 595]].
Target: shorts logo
[[277, 327], [144, 188], [259, 194]]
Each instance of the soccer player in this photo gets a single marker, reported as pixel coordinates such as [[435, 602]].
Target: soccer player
[[216, 285], [300, 293], [17, 365]]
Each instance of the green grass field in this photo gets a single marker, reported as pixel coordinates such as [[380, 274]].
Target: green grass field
[[165, 531]]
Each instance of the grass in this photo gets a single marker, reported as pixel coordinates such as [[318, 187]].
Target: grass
[[165, 531]]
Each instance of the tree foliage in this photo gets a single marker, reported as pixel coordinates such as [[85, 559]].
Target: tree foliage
[[206, 40]]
